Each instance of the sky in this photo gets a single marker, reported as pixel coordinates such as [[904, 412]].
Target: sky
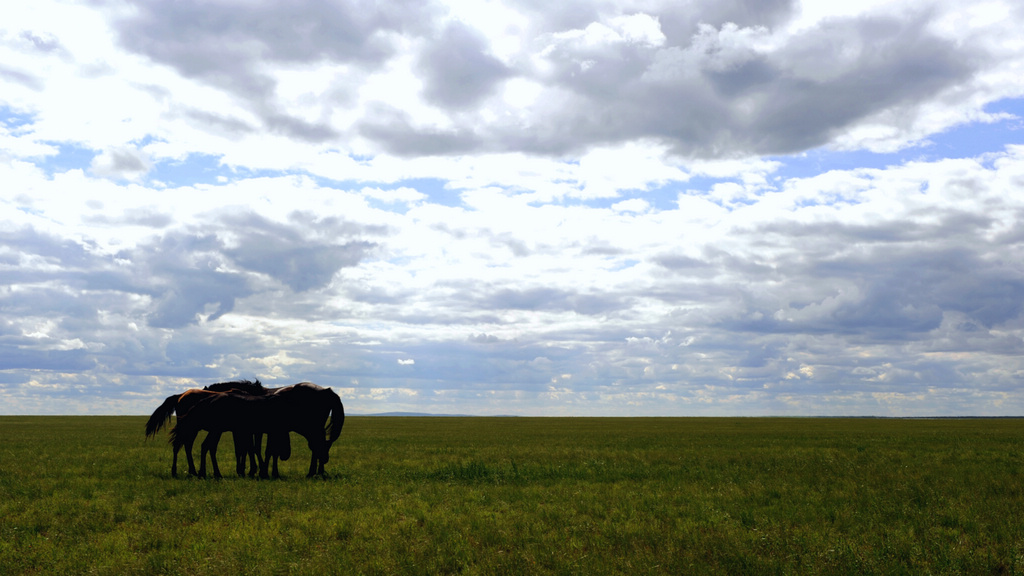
[[600, 208]]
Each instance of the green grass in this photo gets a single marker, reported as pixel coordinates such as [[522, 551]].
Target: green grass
[[88, 495]]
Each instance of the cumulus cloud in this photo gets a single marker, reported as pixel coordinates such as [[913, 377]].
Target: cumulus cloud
[[303, 258], [732, 207], [227, 47], [457, 69], [714, 80], [122, 163]]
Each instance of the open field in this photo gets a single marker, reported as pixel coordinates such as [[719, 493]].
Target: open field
[[88, 495]]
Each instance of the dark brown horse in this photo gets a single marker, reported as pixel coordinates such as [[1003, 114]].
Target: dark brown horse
[[219, 412], [181, 404]]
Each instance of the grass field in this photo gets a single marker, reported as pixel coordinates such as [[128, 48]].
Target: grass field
[[88, 495]]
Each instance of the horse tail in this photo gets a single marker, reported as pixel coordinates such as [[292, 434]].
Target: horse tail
[[162, 415], [337, 416]]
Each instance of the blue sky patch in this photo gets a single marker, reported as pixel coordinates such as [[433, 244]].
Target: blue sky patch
[[70, 157], [965, 141], [195, 169], [434, 188], [14, 120]]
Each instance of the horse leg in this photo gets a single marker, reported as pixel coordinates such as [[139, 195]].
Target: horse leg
[[176, 441], [312, 459], [202, 456], [241, 445], [318, 458], [323, 457], [213, 455], [320, 464], [209, 445], [174, 461], [265, 462], [255, 455], [213, 460], [269, 459], [283, 450], [256, 458], [243, 442], [189, 441]]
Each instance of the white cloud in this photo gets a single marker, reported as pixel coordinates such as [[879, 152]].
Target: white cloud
[[578, 209]]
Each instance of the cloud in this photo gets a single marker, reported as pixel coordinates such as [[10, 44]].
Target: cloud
[[195, 276], [122, 163], [141, 216], [715, 80], [293, 255], [189, 275], [723, 91], [187, 34], [220, 45], [21, 77], [182, 273], [732, 91], [399, 134], [549, 299], [542, 208], [457, 69]]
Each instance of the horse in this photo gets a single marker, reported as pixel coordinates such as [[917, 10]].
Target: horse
[[314, 412], [278, 445], [219, 412], [182, 403]]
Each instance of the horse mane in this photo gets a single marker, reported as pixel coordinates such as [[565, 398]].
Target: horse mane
[[252, 388]]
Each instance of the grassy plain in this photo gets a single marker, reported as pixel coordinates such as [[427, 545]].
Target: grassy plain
[[88, 495]]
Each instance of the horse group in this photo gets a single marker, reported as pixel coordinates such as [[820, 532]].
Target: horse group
[[248, 411]]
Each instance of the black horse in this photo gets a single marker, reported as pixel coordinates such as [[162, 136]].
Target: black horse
[[312, 411], [279, 445]]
